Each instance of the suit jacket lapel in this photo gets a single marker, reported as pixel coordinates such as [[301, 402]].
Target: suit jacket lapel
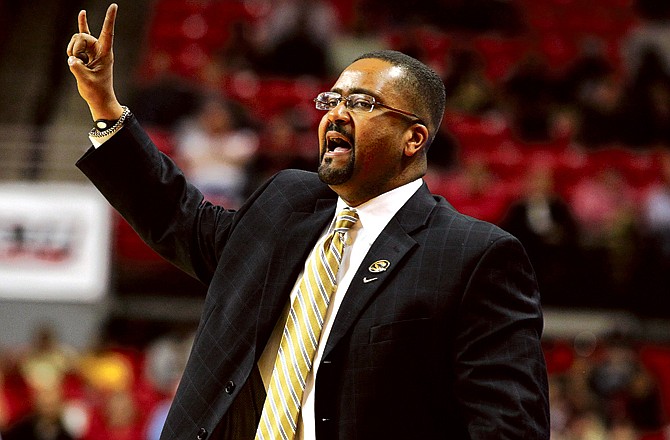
[[392, 245], [300, 233]]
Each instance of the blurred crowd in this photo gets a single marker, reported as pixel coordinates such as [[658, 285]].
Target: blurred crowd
[[110, 391], [605, 387], [557, 124]]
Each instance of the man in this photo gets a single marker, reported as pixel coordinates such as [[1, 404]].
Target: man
[[433, 327]]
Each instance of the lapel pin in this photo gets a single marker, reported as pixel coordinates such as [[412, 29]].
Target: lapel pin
[[379, 266]]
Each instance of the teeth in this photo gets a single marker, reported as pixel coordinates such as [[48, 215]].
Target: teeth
[[334, 143], [337, 142]]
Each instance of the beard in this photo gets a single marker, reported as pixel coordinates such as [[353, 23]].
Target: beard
[[333, 175], [330, 173]]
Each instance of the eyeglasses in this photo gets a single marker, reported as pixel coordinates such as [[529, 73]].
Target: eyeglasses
[[356, 102]]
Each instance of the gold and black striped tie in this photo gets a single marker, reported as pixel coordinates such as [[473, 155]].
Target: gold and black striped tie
[[301, 334]]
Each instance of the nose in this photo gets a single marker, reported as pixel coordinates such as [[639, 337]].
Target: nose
[[339, 113]]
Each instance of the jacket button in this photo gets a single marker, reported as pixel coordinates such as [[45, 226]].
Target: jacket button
[[202, 434], [230, 387]]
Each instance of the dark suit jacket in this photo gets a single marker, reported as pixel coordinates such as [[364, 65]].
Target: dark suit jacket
[[444, 344]]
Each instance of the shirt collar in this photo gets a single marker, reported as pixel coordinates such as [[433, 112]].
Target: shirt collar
[[377, 212]]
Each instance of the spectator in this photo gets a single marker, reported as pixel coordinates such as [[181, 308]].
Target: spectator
[[475, 191], [118, 418], [165, 98], [652, 33], [166, 359], [587, 425], [559, 407], [297, 54], [240, 52], [110, 375], [544, 223], [590, 67], [657, 207], [295, 38], [529, 92], [591, 90], [654, 278], [604, 206], [287, 143], [647, 105], [601, 121], [215, 150], [467, 87], [581, 412], [106, 371], [628, 396], [156, 420], [47, 361], [348, 43], [45, 421]]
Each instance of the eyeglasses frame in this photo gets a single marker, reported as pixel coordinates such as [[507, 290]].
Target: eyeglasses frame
[[375, 102]]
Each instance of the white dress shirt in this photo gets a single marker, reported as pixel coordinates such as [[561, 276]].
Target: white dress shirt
[[373, 216]]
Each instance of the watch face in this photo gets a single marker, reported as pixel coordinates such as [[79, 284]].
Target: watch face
[[101, 125]]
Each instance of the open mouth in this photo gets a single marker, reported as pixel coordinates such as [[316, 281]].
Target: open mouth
[[337, 143]]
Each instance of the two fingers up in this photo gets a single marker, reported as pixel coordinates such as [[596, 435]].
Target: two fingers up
[[91, 60], [87, 49]]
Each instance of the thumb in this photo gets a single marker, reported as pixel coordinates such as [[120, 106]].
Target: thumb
[[76, 65]]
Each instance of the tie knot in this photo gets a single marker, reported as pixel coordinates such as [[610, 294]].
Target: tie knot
[[345, 220]]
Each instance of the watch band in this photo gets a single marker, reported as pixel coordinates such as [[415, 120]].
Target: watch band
[[104, 124], [106, 127]]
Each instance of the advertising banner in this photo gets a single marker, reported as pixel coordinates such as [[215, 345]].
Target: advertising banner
[[54, 242]]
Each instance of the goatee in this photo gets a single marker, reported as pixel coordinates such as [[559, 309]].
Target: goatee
[[332, 175], [329, 172]]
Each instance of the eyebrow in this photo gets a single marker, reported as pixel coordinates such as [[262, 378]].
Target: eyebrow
[[357, 90]]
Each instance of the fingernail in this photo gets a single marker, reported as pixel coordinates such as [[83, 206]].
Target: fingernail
[[71, 60]]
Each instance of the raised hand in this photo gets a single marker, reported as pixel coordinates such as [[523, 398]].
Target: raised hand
[[91, 61]]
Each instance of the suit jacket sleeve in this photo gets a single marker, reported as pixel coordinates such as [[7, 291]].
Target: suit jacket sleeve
[[500, 373], [152, 194]]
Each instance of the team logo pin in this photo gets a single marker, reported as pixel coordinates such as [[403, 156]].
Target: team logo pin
[[379, 266]]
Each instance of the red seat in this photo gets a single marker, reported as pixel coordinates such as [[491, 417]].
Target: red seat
[[500, 54], [559, 49], [476, 134], [657, 361]]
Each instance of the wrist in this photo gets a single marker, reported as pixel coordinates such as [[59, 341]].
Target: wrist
[[108, 112]]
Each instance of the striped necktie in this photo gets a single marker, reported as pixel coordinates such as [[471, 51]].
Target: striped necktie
[[301, 334]]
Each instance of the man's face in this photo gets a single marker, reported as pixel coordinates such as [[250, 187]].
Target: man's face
[[361, 153]]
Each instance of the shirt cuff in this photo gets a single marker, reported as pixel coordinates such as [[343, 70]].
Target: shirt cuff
[[97, 141]]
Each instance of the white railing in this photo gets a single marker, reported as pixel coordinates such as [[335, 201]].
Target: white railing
[[26, 154]]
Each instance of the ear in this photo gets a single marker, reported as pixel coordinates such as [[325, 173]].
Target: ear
[[416, 138]]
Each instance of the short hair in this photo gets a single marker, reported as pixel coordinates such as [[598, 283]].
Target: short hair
[[426, 89]]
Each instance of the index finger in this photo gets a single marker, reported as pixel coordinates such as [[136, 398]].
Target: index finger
[[107, 33], [83, 22]]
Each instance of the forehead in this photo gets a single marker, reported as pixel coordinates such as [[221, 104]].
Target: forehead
[[373, 76]]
